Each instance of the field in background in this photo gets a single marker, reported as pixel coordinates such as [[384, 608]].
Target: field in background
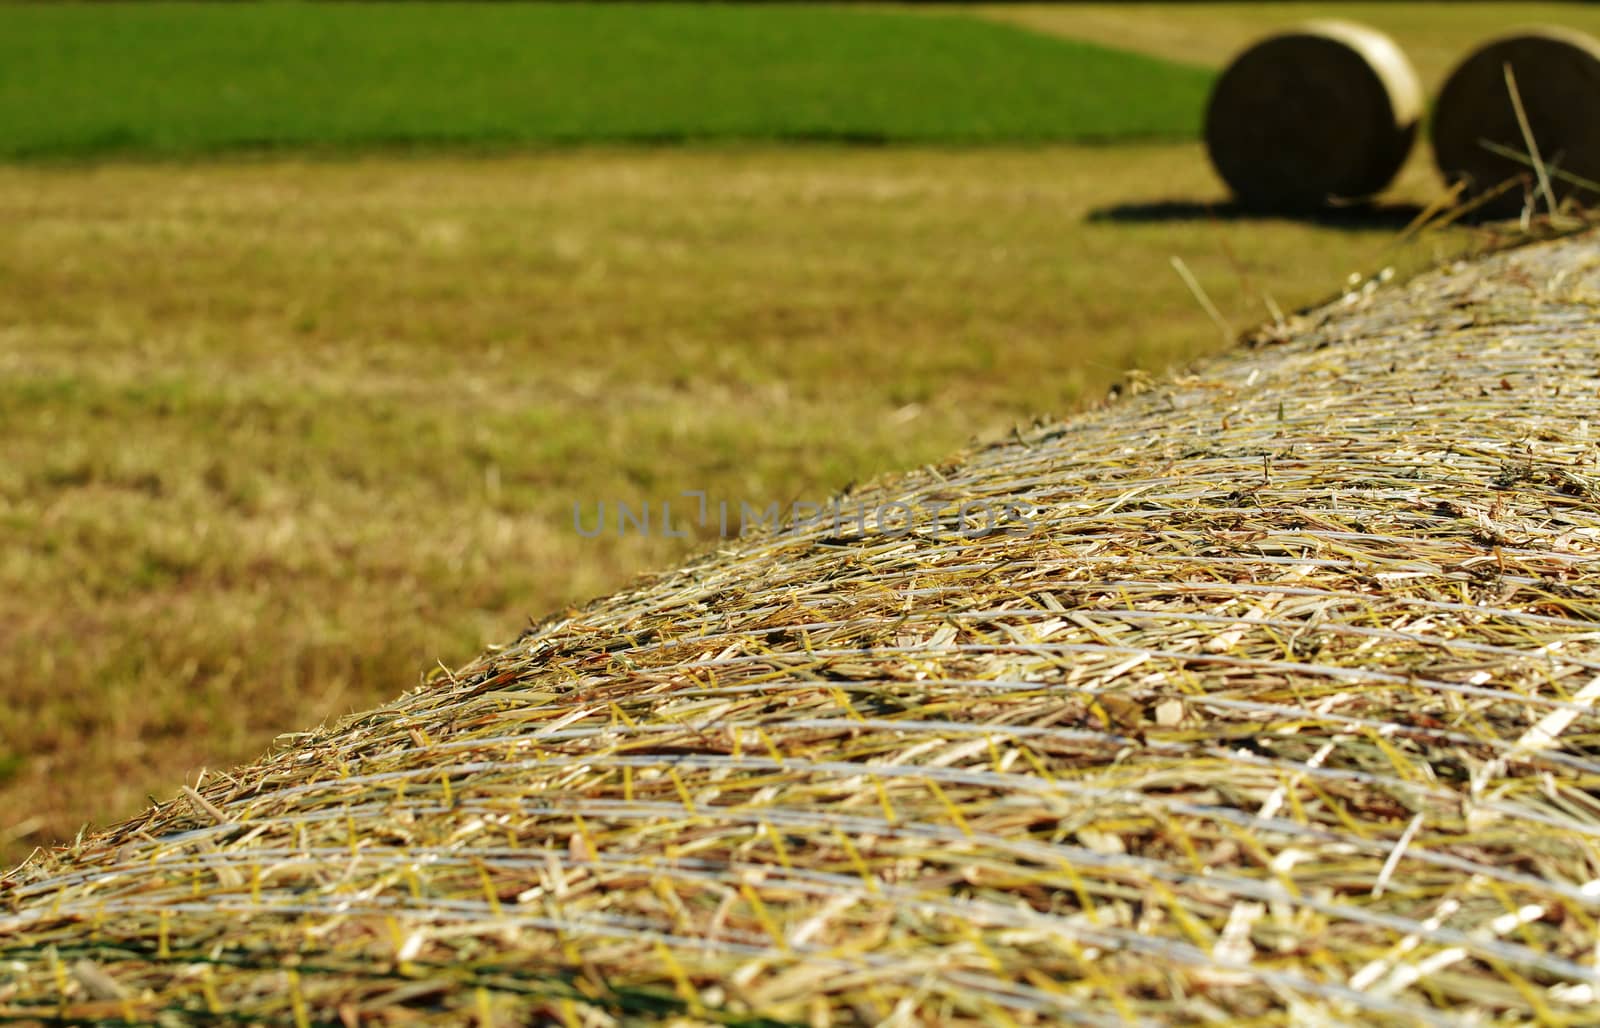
[[174, 79], [280, 435]]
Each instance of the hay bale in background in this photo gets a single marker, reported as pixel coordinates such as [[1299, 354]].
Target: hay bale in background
[[1323, 112], [1282, 711], [1476, 136]]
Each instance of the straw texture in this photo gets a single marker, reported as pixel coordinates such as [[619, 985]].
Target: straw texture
[[1276, 705]]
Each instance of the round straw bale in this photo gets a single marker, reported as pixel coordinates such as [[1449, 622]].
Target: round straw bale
[[1325, 111], [1478, 141], [945, 772]]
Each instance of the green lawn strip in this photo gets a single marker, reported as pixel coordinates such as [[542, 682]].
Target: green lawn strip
[[174, 78]]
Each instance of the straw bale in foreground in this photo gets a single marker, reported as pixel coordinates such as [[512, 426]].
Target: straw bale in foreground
[[1281, 710]]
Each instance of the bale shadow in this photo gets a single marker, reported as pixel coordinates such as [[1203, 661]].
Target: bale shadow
[[1353, 217]]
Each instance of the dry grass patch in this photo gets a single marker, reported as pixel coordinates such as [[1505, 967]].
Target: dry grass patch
[[279, 435]]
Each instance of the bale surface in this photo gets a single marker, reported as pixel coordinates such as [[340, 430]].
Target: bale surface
[[1281, 709], [1320, 113], [1478, 140]]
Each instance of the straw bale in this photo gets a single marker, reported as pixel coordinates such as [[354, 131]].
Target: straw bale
[[1323, 112], [1277, 705], [1479, 141]]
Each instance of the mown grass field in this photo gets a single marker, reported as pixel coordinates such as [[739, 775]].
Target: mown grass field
[[283, 432], [174, 78]]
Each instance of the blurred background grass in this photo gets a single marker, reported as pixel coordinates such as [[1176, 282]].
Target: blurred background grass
[[283, 430], [184, 78]]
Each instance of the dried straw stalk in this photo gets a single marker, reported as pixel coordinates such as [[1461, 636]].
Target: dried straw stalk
[[1283, 710]]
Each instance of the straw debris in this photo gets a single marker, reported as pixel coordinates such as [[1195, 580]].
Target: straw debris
[[1192, 742]]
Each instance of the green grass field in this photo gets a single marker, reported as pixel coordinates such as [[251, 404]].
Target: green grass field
[[193, 78]]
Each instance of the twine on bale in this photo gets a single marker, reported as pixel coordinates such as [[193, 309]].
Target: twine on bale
[[1322, 113], [1277, 705], [1523, 107]]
